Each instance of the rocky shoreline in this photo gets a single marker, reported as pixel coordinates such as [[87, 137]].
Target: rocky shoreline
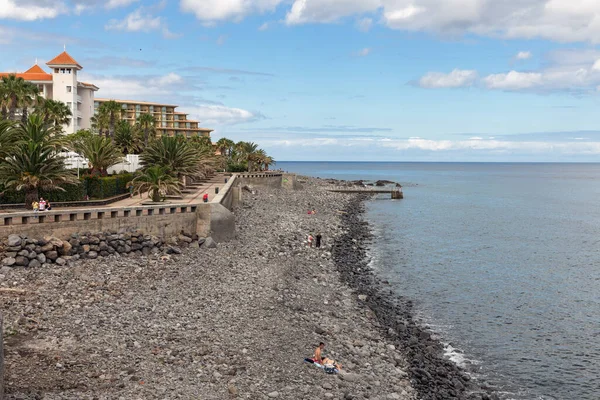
[[235, 321], [432, 375], [229, 321]]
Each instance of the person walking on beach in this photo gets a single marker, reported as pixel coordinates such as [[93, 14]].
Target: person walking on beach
[[318, 242], [310, 240]]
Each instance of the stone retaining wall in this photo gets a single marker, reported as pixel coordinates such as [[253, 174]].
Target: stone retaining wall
[[272, 180], [161, 220]]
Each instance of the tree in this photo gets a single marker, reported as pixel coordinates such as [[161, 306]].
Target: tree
[[29, 97], [100, 123], [100, 152], [147, 123], [128, 138], [157, 182], [178, 157], [225, 146], [35, 162], [54, 112], [110, 112], [16, 94], [7, 138]]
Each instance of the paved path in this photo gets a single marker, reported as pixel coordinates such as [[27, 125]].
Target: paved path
[[196, 197]]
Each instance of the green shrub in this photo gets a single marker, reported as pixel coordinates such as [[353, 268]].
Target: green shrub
[[71, 193], [237, 167], [102, 187]]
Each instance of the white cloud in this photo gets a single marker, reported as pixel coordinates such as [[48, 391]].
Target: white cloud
[[364, 24], [310, 11], [363, 52], [221, 115], [474, 145], [119, 3], [141, 20], [571, 71], [455, 79], [263, 27], [523, 55], [212, 11], [514, 80], [11, 9], [138, 20]]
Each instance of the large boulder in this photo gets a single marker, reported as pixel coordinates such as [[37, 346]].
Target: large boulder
[[209, 243], [21, 261], [14, 240], [9, 261], [52, 255]]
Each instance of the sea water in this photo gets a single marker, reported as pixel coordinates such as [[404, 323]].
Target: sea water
[[501, 260]]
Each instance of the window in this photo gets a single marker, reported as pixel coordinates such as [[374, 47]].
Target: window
[[187, 125], [164, 124], [68, 70], [151, 109], [164, 110], [69, 104], [96, 104], [176, 124], [56, 70], [62, 70], [69, 89]]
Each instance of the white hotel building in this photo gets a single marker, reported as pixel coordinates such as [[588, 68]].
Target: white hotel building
[[62, 84]]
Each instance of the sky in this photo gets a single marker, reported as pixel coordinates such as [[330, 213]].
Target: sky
[[355, 80]]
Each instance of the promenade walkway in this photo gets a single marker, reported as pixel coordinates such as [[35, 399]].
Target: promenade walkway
[[217, 181], [190, 196]]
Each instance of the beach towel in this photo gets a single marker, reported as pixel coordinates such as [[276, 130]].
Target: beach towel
[[329, 369]]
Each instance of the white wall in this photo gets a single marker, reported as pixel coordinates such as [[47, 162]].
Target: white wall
[[86, 107], [131, 164], [59, 92]]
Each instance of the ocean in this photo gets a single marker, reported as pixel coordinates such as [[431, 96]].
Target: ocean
[[502, 261]]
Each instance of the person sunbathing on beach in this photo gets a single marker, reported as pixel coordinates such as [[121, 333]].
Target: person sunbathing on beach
[[329, 363]]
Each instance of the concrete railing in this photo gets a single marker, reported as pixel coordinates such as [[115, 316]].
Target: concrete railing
[[161, 220]]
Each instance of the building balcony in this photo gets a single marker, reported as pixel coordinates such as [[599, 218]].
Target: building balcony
[[79, 99]]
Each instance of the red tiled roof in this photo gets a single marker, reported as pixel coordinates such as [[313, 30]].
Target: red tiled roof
[[36, 69], [63, 59], [31, 74]]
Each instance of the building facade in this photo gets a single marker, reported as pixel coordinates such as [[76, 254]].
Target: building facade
[[62, 84], [168, 121]]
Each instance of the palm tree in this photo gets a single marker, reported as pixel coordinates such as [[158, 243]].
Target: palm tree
[[30, 96], [157, 182], [147, 122], [225, 146], [100, 123], [100, 152], [54, 112], [127, 138], [177, 156], [111, 111], [7, 138], [16, 93], [35, 162]]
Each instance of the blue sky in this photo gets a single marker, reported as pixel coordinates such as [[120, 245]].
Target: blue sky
[[368, 80]]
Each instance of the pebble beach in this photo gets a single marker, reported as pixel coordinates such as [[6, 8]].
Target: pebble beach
[[235, 321]]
